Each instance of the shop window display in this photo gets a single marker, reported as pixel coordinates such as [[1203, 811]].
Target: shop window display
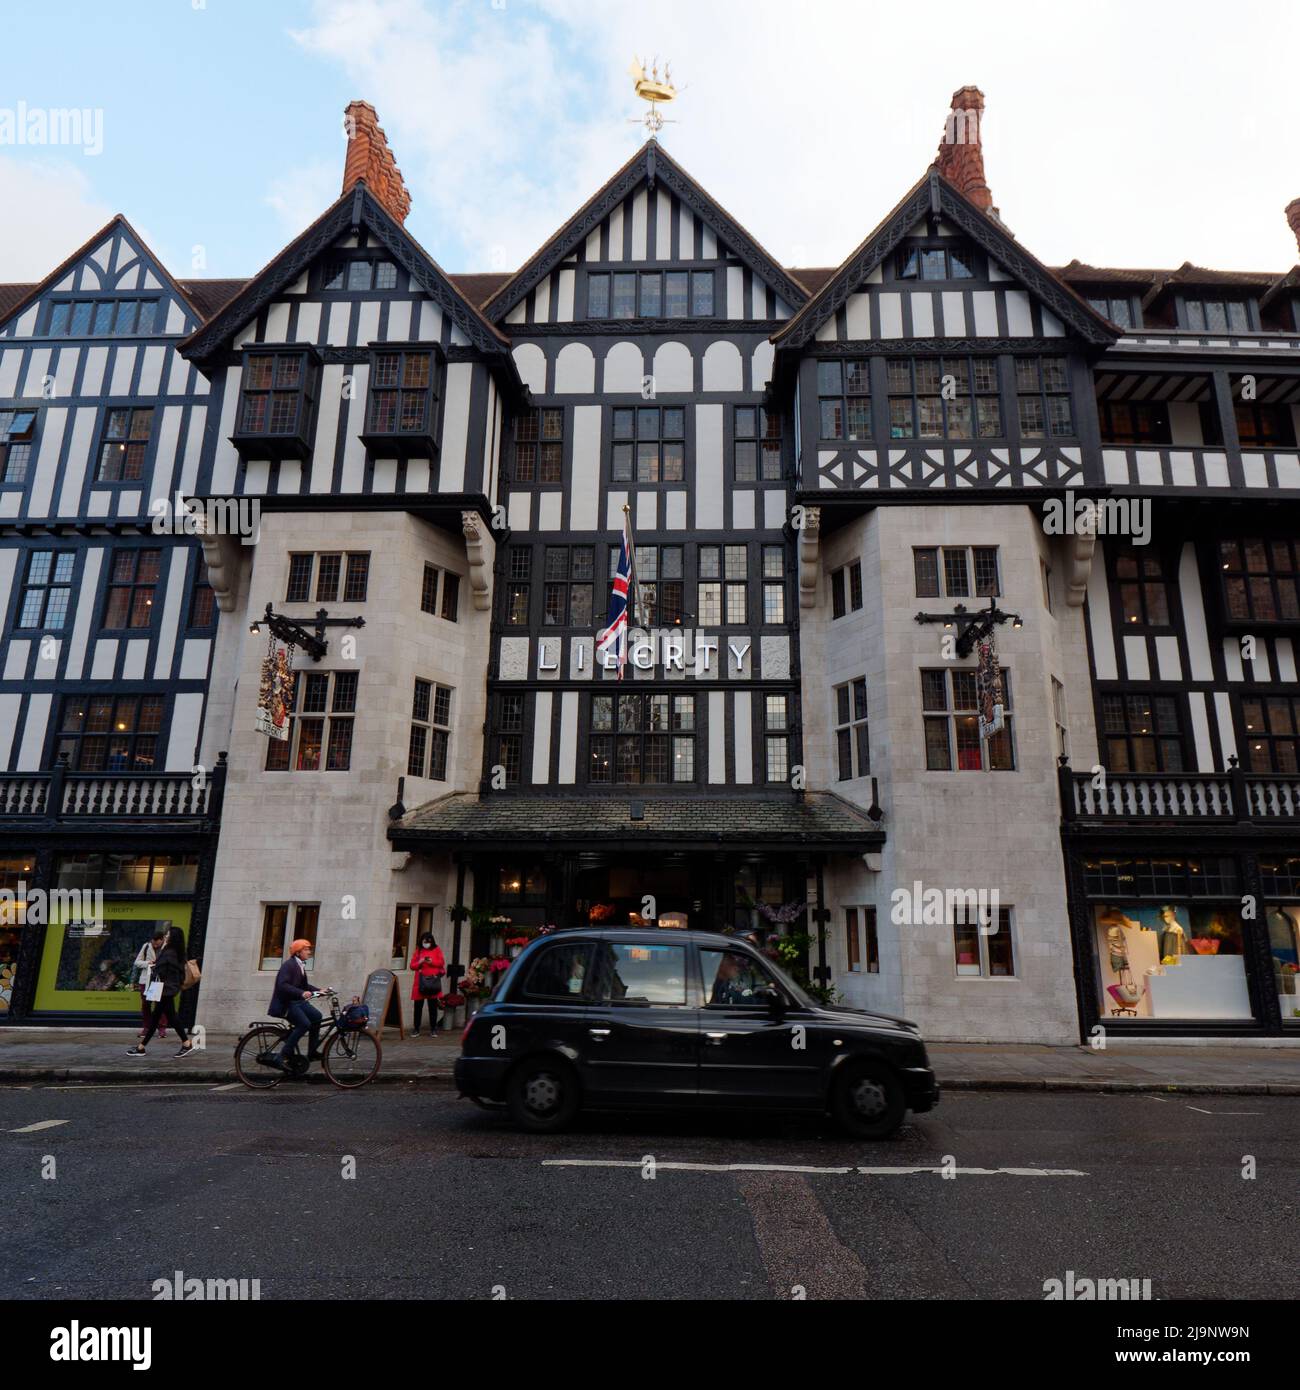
[[14, 876], [1284, 946], [1173, 961]]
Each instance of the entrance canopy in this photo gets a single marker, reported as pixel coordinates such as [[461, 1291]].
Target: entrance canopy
[[814, 821]]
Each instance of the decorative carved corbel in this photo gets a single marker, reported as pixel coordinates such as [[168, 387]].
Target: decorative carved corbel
[[1079, 559], [810, 544], [480, 560], [221, 555]]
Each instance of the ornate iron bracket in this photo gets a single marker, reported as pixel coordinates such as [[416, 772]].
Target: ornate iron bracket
[[971, 627], [293, 633]]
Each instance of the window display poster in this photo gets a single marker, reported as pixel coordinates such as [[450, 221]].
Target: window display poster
[[1171, 961], [86, 966], [1284, 947], [9, 941]]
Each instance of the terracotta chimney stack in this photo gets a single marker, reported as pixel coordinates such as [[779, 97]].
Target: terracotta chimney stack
[[961, 155], [1293, 217], [369, 158]]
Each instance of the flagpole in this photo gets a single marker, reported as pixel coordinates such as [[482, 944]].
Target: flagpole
[[634, 586]]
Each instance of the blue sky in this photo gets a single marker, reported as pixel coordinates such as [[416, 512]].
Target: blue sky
[[1121, 134]]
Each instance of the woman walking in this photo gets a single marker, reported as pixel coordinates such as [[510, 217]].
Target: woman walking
[[144, 963], [169, 972], [429, 966]]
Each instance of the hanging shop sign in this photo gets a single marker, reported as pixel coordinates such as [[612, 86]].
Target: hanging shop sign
[[988, 690], [275, 693]]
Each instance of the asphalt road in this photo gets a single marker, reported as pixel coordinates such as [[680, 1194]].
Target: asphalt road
[[446, 1201]]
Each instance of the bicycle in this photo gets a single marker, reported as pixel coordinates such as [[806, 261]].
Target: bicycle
[[349, 1056]]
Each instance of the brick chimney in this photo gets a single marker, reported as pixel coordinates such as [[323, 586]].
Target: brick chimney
[[370, 159], [961, 154], [1293, 217]]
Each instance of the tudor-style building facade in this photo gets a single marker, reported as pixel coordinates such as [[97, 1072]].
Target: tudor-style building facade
[[809, 459]]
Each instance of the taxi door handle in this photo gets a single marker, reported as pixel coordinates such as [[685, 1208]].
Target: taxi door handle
[[716, 1037], [598, 1034]]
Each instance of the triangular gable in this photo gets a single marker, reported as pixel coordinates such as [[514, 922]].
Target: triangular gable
[[115, 258], [354, 209], [649, 166], [934, 195]]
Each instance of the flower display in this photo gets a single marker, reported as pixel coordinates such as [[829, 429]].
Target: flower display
[[601, 912]]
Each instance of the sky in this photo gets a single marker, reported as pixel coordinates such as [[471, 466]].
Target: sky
[[1141, 133]]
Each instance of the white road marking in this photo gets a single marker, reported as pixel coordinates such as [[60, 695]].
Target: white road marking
[[40, 1124], [664, 1165], [689, 1167], [1199, 1111], [231, 1086]]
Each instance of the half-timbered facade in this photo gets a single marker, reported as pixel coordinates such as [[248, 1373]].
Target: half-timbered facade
[[438, 468]]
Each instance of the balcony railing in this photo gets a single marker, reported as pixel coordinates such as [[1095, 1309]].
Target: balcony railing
[[62, 797], [1234, 797], [1198, 466]]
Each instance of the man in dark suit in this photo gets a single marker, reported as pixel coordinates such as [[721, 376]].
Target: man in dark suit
[[292, 990]]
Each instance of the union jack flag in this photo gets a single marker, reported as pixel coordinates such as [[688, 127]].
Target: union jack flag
[[614, 638]]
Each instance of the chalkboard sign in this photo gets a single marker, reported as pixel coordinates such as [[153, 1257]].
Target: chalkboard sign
[[380, 997]]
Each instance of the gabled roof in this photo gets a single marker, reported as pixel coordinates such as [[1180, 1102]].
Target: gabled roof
[[358, 207], [648, 165], [932, 193], [1200, 277], [1289, 283], [34, 292]]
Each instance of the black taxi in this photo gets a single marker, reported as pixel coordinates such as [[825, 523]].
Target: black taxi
[[621, 1018]]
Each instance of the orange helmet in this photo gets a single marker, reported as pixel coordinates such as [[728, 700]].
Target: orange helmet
[[299, 944]]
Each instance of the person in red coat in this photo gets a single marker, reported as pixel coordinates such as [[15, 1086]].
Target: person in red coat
[[429, 966]]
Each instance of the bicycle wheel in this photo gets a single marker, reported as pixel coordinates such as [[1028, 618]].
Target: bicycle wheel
[[258, 1042], [351, 1059]]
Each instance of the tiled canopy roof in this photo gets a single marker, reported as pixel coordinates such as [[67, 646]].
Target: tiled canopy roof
[[817, 820]]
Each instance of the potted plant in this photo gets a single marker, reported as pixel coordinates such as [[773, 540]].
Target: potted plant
[[453, 1010]]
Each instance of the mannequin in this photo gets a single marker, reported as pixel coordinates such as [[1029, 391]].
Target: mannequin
[[1173, 939]]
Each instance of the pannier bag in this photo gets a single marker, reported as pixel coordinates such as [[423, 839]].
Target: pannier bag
[[354, 1018]]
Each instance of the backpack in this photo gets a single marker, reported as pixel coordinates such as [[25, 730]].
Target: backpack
[[192, 974]]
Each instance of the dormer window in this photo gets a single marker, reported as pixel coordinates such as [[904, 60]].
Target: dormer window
[[359, 273], [17, 429], [1217, 315], [276, 404], [1116, 308], [936, 263], [400, 417]]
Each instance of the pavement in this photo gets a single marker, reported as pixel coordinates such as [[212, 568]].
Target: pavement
[[41, 1055]]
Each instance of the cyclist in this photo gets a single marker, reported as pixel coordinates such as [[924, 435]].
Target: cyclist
[[292, 990]]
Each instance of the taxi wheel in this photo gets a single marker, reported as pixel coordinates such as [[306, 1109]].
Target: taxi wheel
[[543, 1095], [867, 1099]]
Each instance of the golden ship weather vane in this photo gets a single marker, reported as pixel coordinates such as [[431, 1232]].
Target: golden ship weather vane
[[650, 87]]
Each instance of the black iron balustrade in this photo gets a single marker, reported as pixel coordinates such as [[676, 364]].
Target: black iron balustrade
[[61, 796], [1234, 797]]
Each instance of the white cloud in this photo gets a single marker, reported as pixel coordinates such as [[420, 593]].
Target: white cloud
[[50, 210], [299, 196], [1102, 139]]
